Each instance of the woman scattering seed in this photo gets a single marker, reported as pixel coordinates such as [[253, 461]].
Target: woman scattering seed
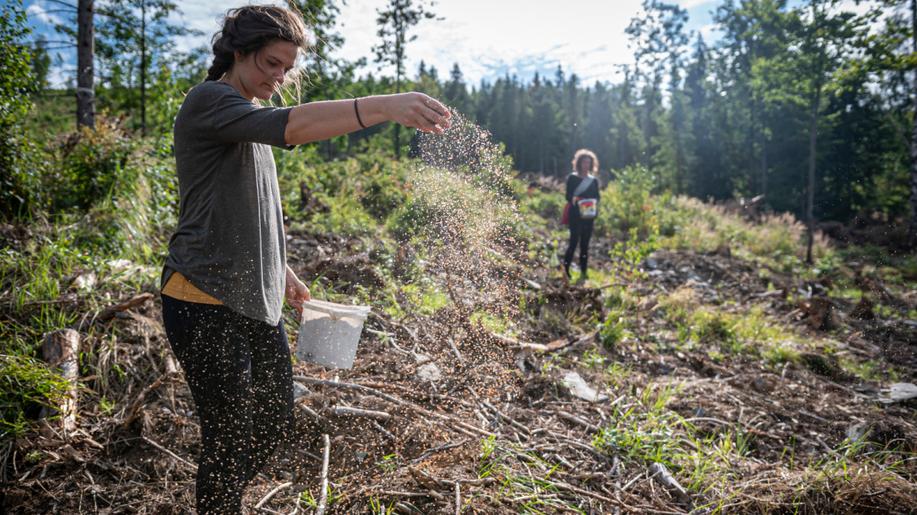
[[226, 277]]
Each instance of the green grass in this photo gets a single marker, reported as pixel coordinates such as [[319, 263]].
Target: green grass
[[26, 384], [487, 458], [616, 374], [869, 370], [494, 323], [750, 332], [425, 298], [592, 359], [378, 507], [777, 241], [530, 491], [389, 462], [647, 432], [846, 292], [613, 329]]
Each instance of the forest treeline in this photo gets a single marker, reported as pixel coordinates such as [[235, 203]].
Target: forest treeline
[[804, 103], [735, 118]]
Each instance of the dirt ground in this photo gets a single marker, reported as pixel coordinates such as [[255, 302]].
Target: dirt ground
[[497, 431]]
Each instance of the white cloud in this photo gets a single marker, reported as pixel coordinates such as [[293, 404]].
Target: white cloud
[[708, 32], [202, 16], [41, 14], [484, 36], [688, 4]]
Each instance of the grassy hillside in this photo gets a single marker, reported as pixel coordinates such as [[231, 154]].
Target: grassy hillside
[[731, 376]]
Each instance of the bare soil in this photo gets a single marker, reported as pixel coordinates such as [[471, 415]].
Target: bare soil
[[430, 452]]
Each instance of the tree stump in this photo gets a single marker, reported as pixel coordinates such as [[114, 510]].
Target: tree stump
[[61, 349]]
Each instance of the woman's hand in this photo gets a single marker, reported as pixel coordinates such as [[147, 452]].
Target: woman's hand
[[419, 111], [296, 291]]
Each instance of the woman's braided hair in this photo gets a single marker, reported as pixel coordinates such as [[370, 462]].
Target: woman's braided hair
[[248, 29]]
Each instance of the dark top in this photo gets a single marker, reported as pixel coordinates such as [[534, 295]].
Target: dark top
[[573, 182], [230, 240]]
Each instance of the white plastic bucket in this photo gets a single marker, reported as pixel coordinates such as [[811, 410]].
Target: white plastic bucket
[[329, 333]]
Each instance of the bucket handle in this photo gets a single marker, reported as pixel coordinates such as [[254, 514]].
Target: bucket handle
[[337, 314]]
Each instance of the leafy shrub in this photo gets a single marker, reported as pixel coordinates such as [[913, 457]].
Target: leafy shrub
[[547, 204], [628, 255], [627, 203], [90, 163], [345, 216], [446, 208], [18, 178], [382, 186], [349, 196], [124, 193]]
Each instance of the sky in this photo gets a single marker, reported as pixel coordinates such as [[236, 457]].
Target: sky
[[487, 38]]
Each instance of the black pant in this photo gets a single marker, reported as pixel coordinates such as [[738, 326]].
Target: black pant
[[239, 373], [581, 233]]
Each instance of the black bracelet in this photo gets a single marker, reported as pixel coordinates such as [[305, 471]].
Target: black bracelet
[[357, 112]]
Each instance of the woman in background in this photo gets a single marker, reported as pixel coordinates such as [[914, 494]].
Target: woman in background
[[583, 199], [226, 277]]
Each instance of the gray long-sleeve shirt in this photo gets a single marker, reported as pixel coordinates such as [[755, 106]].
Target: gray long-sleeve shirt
[[230, 241]]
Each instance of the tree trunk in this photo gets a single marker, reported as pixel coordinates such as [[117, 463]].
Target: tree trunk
[[810, 190], [763, 166], [143, 68], [912, 232], [398, 126], [85, 41], [759, 123], [400, 30]]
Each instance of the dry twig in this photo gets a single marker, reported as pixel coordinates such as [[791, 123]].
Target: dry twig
[[272, 493], [326, 455]]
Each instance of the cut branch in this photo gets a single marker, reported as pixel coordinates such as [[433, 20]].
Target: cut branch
[[357, 412], [109, 312], [323, 498], [271, 494], [178, 458]]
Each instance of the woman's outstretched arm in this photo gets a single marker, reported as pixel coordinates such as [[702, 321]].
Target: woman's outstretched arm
[[317, 121]]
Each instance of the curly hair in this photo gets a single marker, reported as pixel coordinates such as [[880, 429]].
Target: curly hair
[[249, 29], [582, 153]]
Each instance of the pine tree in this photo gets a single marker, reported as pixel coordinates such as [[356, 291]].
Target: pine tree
[[395, 21], [455, 91]]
